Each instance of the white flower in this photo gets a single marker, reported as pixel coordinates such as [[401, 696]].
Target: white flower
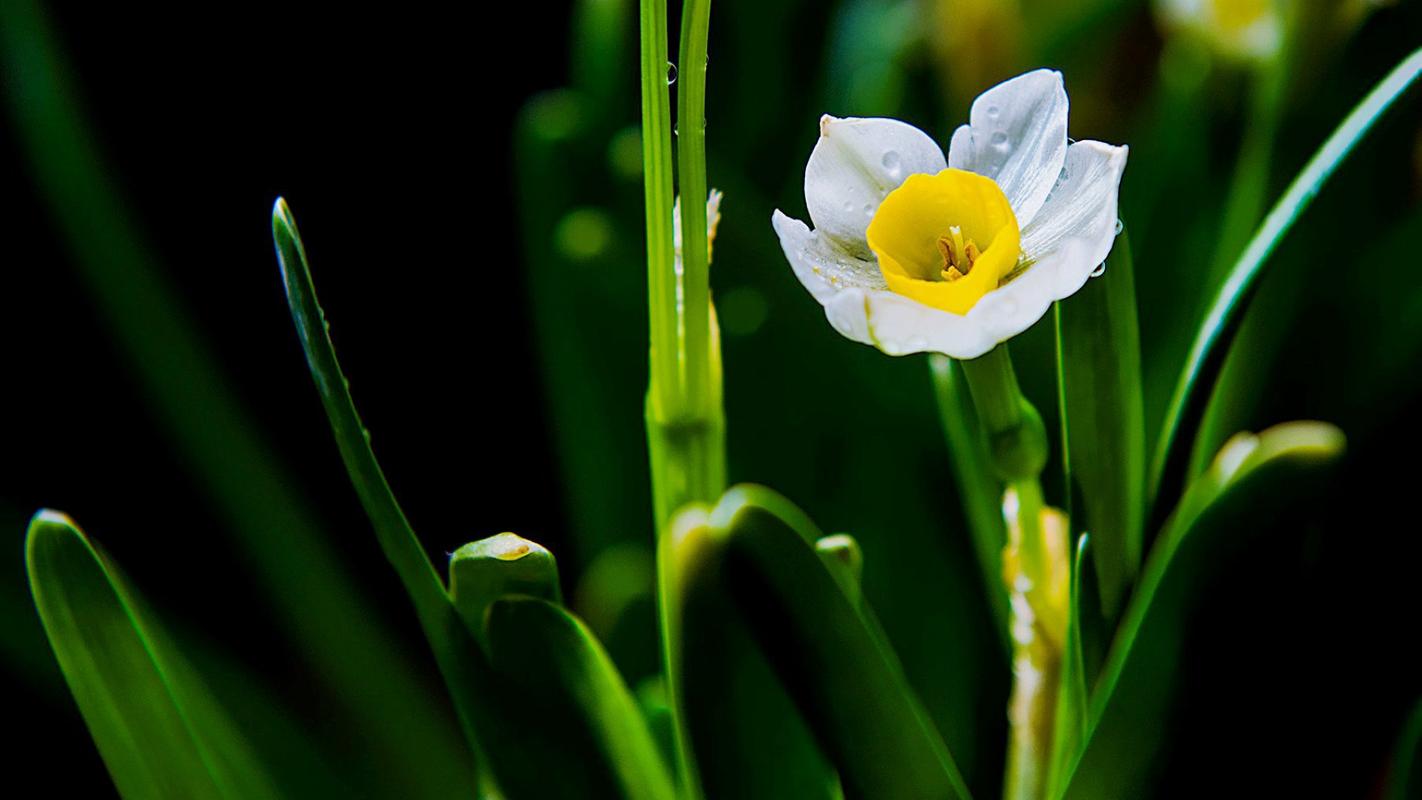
[[1247, 30], [914, 253]]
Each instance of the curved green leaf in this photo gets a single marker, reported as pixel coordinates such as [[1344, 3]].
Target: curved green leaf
[[554, 681], [447, 635], [1103, 421], [828, 651], [745, 735], [1205, 357], [159, 730], [1254, 478]]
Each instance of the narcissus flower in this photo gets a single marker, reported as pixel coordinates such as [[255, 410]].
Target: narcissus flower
[[1246, 30], [912, 252]]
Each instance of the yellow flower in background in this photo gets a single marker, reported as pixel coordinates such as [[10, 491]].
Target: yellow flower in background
[[1245, 30], [914, 252]]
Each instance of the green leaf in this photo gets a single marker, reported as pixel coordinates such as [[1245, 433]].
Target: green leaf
[[1252, 481], [447, 635], [746, 737], [159, 730], [1206, 354], [564, 681], [483, 571], [1404, 778], [828, 651], [972, 468], [544, 688], [1103, 421]]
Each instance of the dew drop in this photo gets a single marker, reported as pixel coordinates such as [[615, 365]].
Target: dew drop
[[1099, 271], [993, 111], [1062, 176], [848, 205], [892, 162], [671, 73], [999, 140], [1120, 226]]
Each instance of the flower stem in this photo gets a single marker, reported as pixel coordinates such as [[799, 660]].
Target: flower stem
[[1016, 438], [684, 416], [657, 186], [697, 372], [1034, 567]]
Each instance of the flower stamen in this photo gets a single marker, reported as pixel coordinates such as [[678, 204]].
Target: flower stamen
[[958, 254]]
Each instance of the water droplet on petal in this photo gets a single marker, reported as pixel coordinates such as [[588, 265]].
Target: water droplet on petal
[[993, 111], [999, 139], [671, 73], [868, 209], [1099, 271], [1120, 226], [1062, 176], [848, 205], [891, 161]]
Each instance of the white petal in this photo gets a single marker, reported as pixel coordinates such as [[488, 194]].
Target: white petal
[[1073, 232], [854, 164], [900, 326], [1017, 135], [1068, 239], [820, 264], [713, 221]]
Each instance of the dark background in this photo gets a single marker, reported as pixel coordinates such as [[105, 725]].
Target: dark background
[[389, 135]]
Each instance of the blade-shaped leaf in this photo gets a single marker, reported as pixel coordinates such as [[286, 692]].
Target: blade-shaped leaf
[[1206, 355], [1250, 483], [447, 634], [828, 651], [1103, 421], [160, 732], [746, 736], [972, 469], [554, 682]]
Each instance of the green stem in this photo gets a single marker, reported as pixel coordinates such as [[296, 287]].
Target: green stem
[[978, 488], [1016, 437], [698, 372], [1018, 446], [685, 421], [657, 185]]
